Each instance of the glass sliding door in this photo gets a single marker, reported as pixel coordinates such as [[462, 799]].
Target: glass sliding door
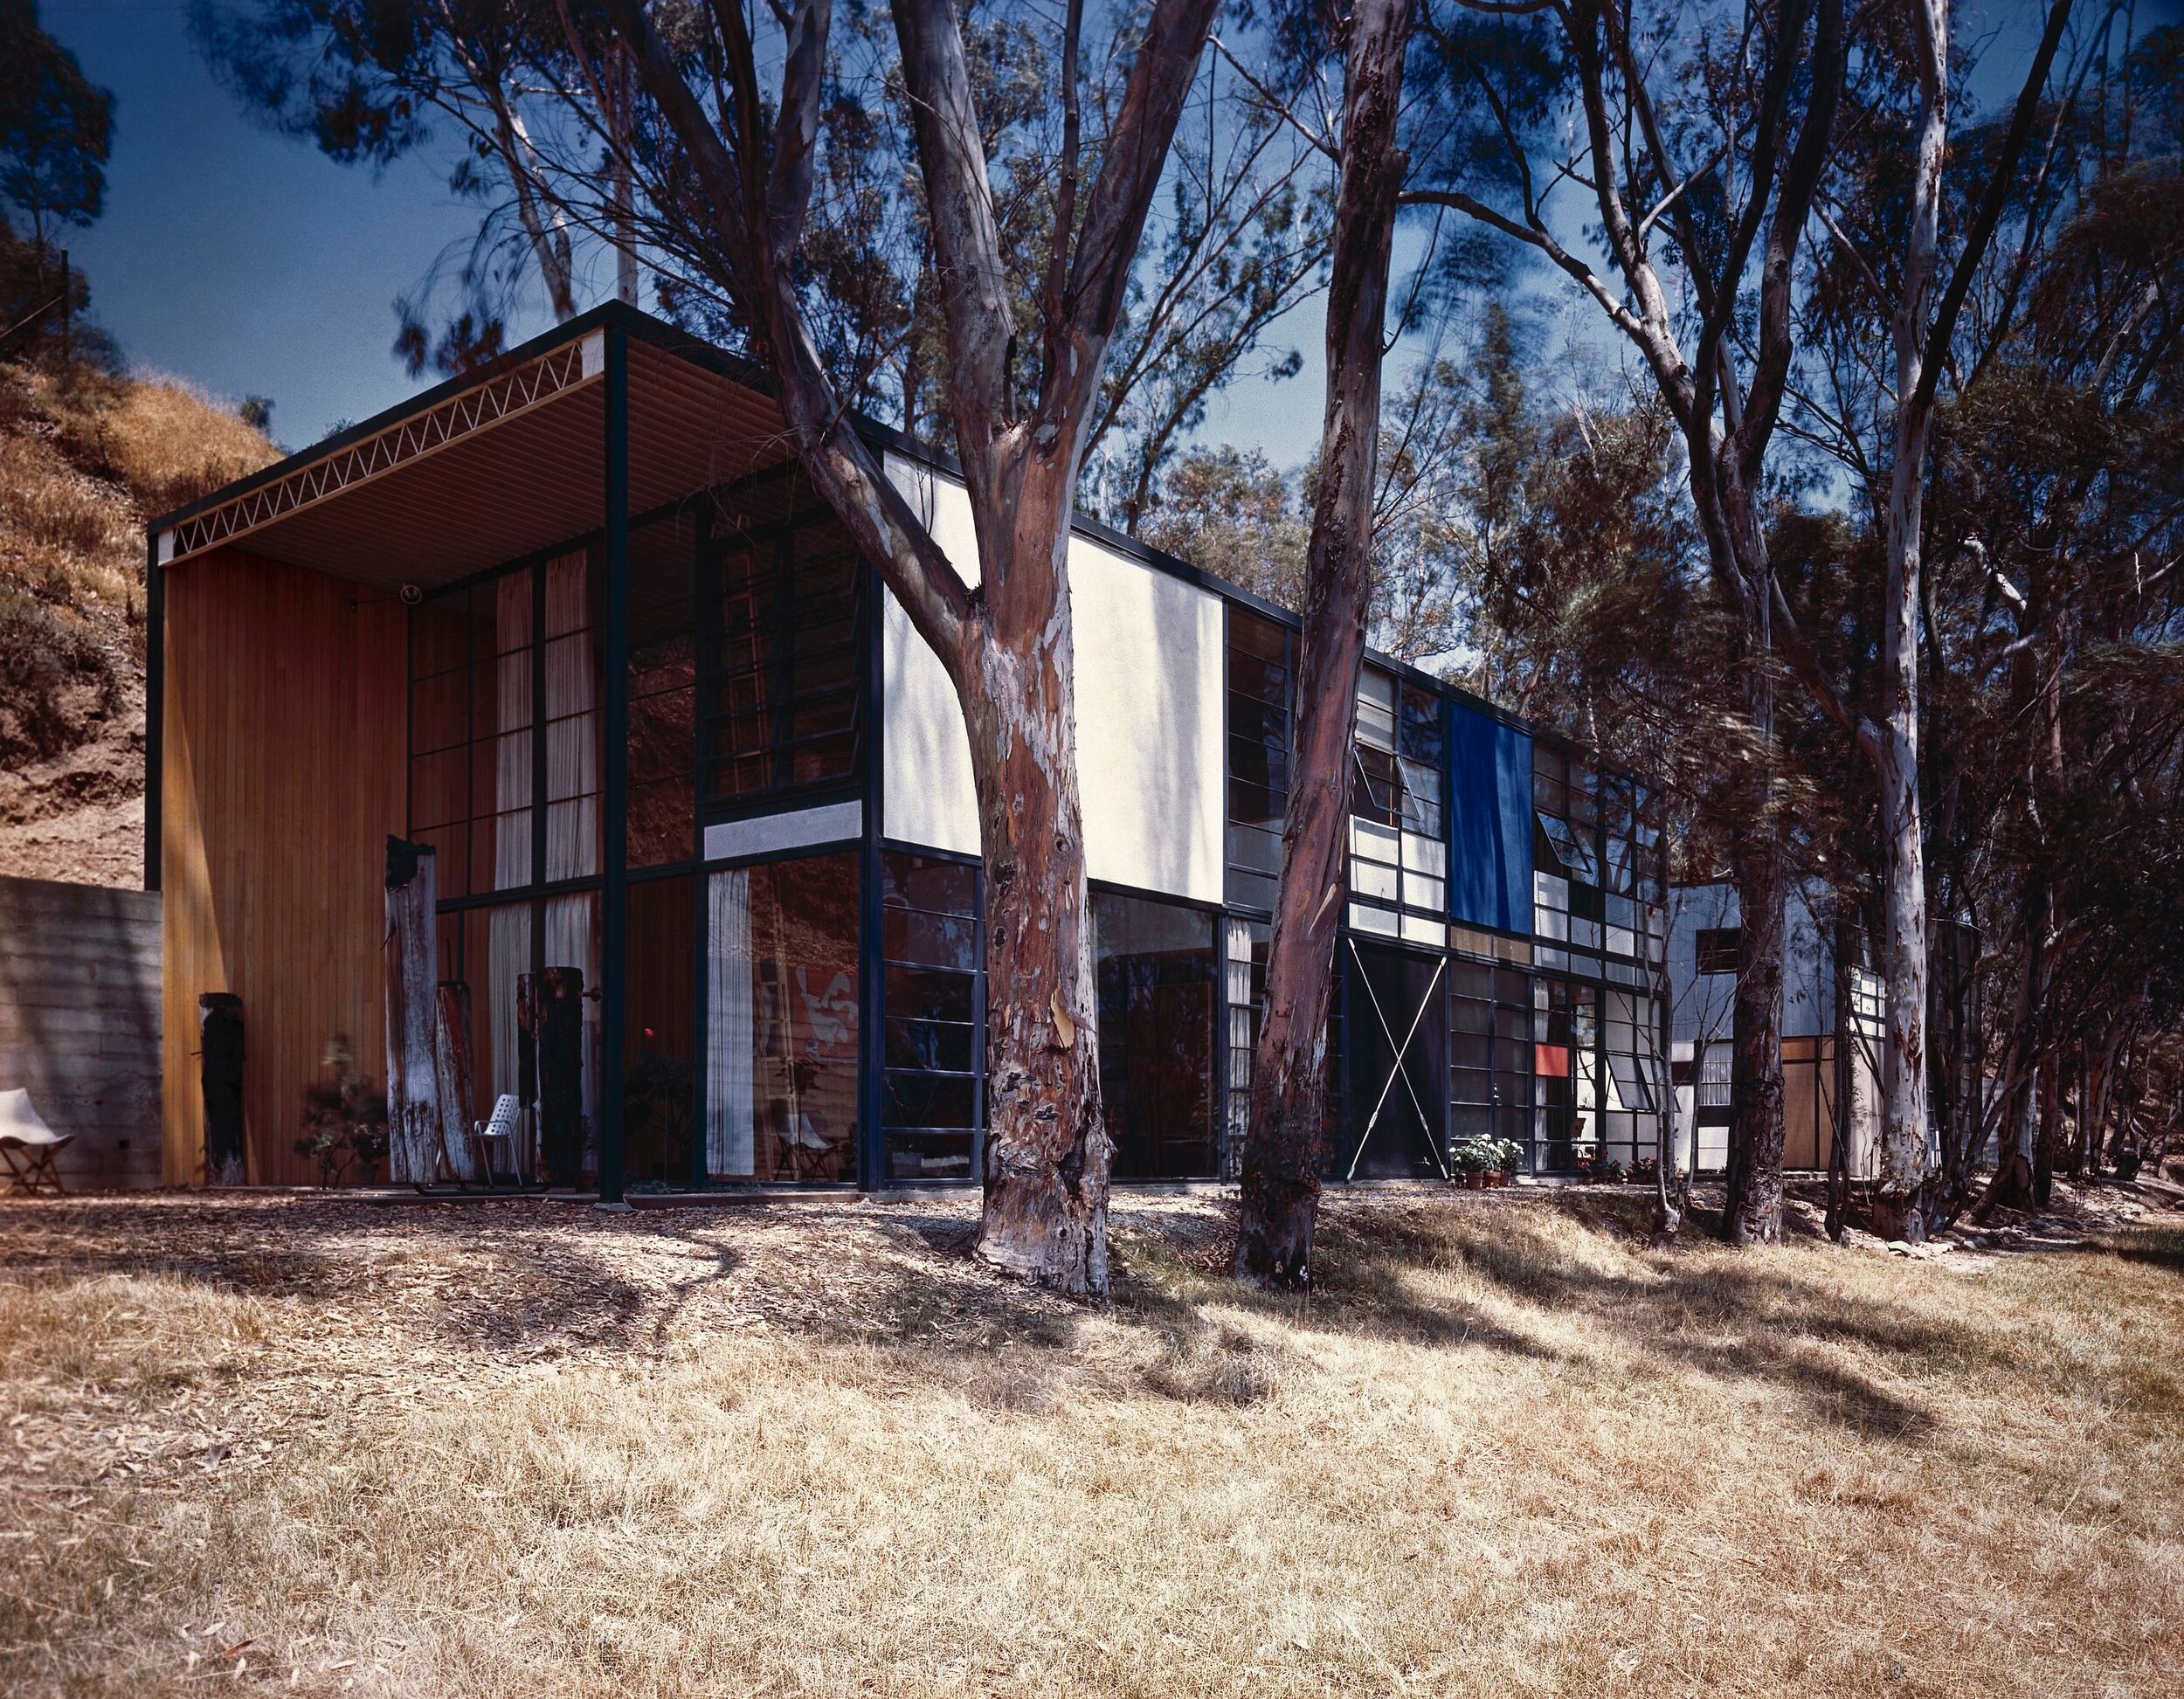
[[782, 1044], [1158, 983]]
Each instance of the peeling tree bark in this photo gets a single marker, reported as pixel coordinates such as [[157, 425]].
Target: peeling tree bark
[[1007, 646], [1283, 1151], [413, 1104]]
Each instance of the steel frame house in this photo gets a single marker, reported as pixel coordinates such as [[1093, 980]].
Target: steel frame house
[[576, 623]]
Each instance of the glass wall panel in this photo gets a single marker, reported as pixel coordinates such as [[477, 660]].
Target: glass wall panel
[[660, 1031], [1398, 862], [1566, 1072], [496, 956], [932, 1083], [1158, 980], [662, 700], [1491, 1053], [1247, 942], [1260, 662], [786, 662], [782, 1020]]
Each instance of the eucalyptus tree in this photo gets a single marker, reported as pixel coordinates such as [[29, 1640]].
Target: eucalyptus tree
[[1698, 136], [1283, 1146], [1021, 409]]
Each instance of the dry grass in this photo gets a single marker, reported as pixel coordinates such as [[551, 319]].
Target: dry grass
[[83, 464], [518, 1448], [165, 441]]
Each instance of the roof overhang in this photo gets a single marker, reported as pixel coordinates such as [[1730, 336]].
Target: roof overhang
[[498, 464]]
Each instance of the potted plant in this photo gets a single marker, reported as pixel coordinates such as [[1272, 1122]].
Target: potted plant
[[1472, 1157], [344, 1121]]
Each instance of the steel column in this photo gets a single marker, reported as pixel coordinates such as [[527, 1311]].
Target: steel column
[[614, 802], [155, 703]]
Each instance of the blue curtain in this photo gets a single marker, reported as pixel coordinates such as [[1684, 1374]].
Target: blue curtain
[[1490, 822]]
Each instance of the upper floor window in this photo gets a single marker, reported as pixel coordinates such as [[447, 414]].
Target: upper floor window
[[1397, 780], [1398, 864], [1261, 659], [786, 661]]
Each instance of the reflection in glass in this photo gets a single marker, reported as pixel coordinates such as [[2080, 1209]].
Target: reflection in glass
[[930, 1088], [782, 1037], [1157, 988]]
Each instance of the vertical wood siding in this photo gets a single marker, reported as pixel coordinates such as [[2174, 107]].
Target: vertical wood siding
[[284, 772]]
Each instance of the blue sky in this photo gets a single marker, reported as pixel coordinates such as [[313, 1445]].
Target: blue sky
[[248, 263]]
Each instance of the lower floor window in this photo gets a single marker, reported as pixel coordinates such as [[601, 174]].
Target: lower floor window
[[782, 1021], [1158, 983]]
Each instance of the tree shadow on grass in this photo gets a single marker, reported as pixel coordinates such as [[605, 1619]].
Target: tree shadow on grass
[[529, 1278], [1681, 1311], [2157, 1248]]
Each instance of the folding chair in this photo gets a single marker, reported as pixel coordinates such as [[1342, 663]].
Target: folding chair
[[501, 1129], [28, 1145]]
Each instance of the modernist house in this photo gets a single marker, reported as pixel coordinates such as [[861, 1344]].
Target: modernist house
[[1831, 1045], [576, 623]]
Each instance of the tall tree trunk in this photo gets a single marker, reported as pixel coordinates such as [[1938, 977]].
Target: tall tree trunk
[[1047, 1152], [1283, 1151], [1892, 743], [1839, 1061], [413, 1095], [1007, 646], [1752, 1206], [2012, 1185]]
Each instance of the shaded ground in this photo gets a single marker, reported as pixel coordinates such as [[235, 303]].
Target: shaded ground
[[524, 1447]]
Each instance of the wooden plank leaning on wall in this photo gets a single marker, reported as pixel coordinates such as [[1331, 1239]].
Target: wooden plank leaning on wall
[[283, 772]]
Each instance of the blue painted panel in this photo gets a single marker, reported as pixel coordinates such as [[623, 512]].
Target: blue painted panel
[[1512, 785], [1490, 822]]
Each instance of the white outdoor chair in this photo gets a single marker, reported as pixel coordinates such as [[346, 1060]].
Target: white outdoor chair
[[28, 1145], [500, 1130]]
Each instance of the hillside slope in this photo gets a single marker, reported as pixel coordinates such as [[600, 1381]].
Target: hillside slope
[[83, 463]]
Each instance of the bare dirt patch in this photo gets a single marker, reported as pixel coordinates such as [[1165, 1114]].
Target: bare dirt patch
[[523, 1447]]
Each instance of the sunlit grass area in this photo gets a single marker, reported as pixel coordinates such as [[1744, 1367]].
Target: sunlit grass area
[[521, 1448]]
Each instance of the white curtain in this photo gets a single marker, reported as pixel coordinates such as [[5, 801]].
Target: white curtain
[[509, 937], [572, 792], [730, 1132]]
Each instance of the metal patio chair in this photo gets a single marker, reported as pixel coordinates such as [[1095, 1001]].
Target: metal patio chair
[[28, 1145], [500, 1130]]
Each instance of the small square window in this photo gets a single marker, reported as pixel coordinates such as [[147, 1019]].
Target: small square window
[[1719, 948]]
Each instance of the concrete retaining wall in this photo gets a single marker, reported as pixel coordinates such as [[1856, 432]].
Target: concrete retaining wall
[[80, 1022]]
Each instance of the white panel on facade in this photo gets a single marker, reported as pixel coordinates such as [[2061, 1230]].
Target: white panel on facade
[[767, 834], [1424, 855], [1380, 843], [1150, 668], [929, 798], [1150, 764], [1372, 880], [1419, 930], [1381, 921]]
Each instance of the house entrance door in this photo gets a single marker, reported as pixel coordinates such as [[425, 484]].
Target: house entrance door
[[1395, 1024]]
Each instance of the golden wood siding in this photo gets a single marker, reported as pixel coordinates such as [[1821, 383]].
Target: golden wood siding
[[283, 772]]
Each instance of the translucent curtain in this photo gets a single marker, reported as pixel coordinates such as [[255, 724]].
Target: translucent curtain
[[509, 929], [572, 722], [512, 749], [730, 1132], [573, 790]]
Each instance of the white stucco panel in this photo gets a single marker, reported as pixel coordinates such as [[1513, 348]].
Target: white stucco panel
[[1150, 713], [929, 798], [1149, 717]]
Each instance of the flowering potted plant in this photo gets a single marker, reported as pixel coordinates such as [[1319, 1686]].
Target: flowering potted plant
[[1507, 1153], [1474, 1159]]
